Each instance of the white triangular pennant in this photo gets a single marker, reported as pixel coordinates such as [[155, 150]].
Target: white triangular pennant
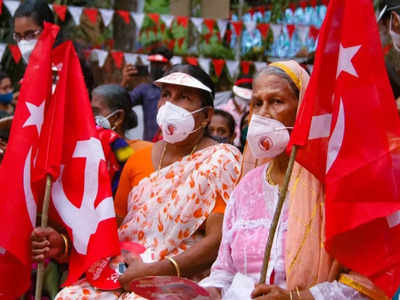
[[107, 15], [130, 58], [197, 23], [12, 6], [143, 58], [259, 65], [222, 27], [205, 64], [303, 32], [176, 60], [101, 56], [2, 49], [232, 66], [250, 26], [76, 12], [167, 19], [138, 18], [276, 29]]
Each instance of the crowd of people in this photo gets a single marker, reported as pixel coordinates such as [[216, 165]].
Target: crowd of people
[[198, 190]]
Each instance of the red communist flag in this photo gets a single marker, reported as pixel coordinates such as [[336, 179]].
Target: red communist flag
[[348, 131], [81, 199], [19, 198]]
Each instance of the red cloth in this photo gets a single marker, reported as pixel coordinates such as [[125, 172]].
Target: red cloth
[[349, 133], [17, 202], [81, 194]]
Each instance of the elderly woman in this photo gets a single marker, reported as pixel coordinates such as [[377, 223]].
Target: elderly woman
[[299, 268], [176, 210]]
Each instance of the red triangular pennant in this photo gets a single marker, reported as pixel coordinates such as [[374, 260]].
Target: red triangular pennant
[[303, 4], [118, 56], [292, 6], [155, 18], [238, 26], [218, 66], [180, 42], [124, 15], [183, 21], [60, 10], [245, 67], [325, 2], [1, 7], [210, 24], [261, 10], [162, 27], [192, 60], [264, 28], [171, 44], [314, 31], [16, 54], [290, 29], [313, 3], [252, 11], [91, 13], [228, 35], [207, 37]]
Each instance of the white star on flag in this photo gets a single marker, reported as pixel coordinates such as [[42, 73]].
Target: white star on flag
[[344, 62], [36, 115]]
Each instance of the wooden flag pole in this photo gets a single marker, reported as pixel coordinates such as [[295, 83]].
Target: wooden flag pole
[[44, 219], [275, 220]]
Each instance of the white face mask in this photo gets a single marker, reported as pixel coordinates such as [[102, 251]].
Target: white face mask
[[103, 122], [395, 36], [26, 48], [267, 138], [176, 123]]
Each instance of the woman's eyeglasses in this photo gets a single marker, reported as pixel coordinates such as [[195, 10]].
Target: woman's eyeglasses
[[27, 35]]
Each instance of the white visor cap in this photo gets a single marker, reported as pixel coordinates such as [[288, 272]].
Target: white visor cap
[[179, 78]]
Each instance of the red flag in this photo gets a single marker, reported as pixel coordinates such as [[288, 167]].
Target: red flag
[[60, 10], [192, 60], [125, 16], [155, 17], [19, 199], [91, 13], [290, 28], [218, 66], [180, 42], [183, 21], [349, 131], [264, 28], [15, 52], [210, 24], [238, 26], [72, 153], [314, 32], [118, 57]]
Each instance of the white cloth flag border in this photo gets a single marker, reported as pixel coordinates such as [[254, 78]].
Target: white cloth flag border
[[76, 12], [107, 15]]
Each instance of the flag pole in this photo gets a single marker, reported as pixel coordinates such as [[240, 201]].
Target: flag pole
[[275, 220], [44, 219]]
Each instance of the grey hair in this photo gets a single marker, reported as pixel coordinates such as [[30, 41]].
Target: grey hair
[[117, 97], [272, 70]]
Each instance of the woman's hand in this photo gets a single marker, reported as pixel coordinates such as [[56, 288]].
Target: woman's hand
[[46, 243], [136, 269], [270, 292], [127, 72]]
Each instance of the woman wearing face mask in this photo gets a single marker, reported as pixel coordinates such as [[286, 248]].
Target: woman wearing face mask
[[299, 267], [6, 95], [176, 210]]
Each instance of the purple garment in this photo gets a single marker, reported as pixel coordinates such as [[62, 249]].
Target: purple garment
[[147, 95]]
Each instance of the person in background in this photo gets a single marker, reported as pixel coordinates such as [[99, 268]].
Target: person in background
[[238, 105], [148, 94], [113, 113], [6, 95], [222, 127], [5, 126]]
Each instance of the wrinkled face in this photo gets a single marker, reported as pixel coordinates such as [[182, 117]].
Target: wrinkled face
[[25, 28], [5, 86], [219, 127], [274, 98]]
